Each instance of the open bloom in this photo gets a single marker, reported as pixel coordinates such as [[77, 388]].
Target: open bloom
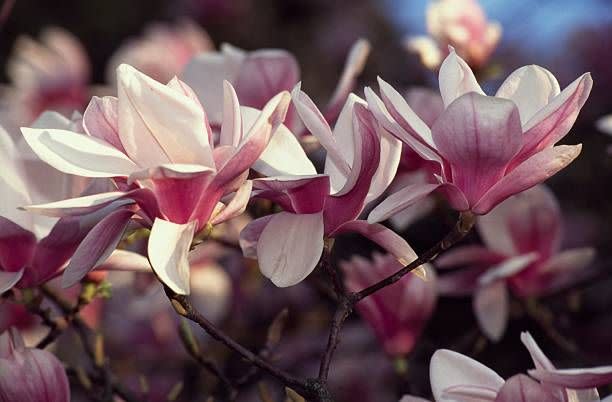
[[522, 239], [458, 23], [49, 74], [28, 374], [361, 161], [33, 248], [484, 149], [458, 378], [163, 51], [154, 140], [397, 313], [261, 74]]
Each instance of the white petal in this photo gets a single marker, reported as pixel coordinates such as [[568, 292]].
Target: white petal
[[456, 78], [491, 307]]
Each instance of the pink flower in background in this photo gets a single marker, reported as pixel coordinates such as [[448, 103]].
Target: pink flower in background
[[483, 149], [360, 163], [49, 74], [398, 313], [522, 251], [261, 74], [155, 141], [458, 378], [458, 23], [28, 374], [163, 51], [34, 248]]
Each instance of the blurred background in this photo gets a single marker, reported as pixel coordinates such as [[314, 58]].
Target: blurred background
[[567, 37]]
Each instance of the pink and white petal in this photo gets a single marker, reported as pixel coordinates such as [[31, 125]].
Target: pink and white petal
[[390, 156], [77, 206], [297, 194], [249, 236], [97, 246], [124, 260], [531, 88], [157, 124], [171, 171], [521, 388], [410, 398], [236, 206], [470, 393], [78, 154], [459, 283], [507, 268], [468, 256], [575, 378], [9, 279], [263, 74], [491, 307], [255, 140], [101, 120], [284, 154], [168, 249], [231, 129], [533, 171], [569, 260], [448, 369], [355, 62], [456, 79], [17, 245], [426, 103], [318, 127], [404, 115], [494, 229], [401, 200], [540, 360], [290, 246], [489, 130], [345, 139], [555, 120]]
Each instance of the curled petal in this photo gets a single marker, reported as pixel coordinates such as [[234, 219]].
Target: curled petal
[[456, 78], [231, 129], [236, 206], [300, 195]]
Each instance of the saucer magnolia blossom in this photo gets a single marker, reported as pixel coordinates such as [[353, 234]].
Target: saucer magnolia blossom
[[483, 149], [522, 239], [261, 74], [458, 378], [397, 313], [361, 162], [458, 23], [154, 140]]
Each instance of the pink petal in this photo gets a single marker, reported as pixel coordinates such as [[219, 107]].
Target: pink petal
[[470, 393], [100, 120], [237, 204], [426, 103], [401, 200], [300, 195], [9, 279], [531, 88], [250, 236], [171, 171], [124, 260], [97, 246], [488, 130], [575, 378], [555, 120], [355, 62], [456, 79], [318, 127], [255, 141], [468, 256], [491, 306], [507, 268], [289, 247], [448, 369], [390, 156], [17, 246], [534, 170], [521, 388], [569, 260], [231, 129], [168, 250], [265, 73], [348, 203]]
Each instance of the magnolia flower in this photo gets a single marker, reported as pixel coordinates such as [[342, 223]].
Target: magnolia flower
[[361, 162], [154, 140], [33, 248], [458, 23], [397, 313], [49, 74], [30, 375], [522, 239], [163, 51], [261, 74], [458, 378], [484, 149]]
